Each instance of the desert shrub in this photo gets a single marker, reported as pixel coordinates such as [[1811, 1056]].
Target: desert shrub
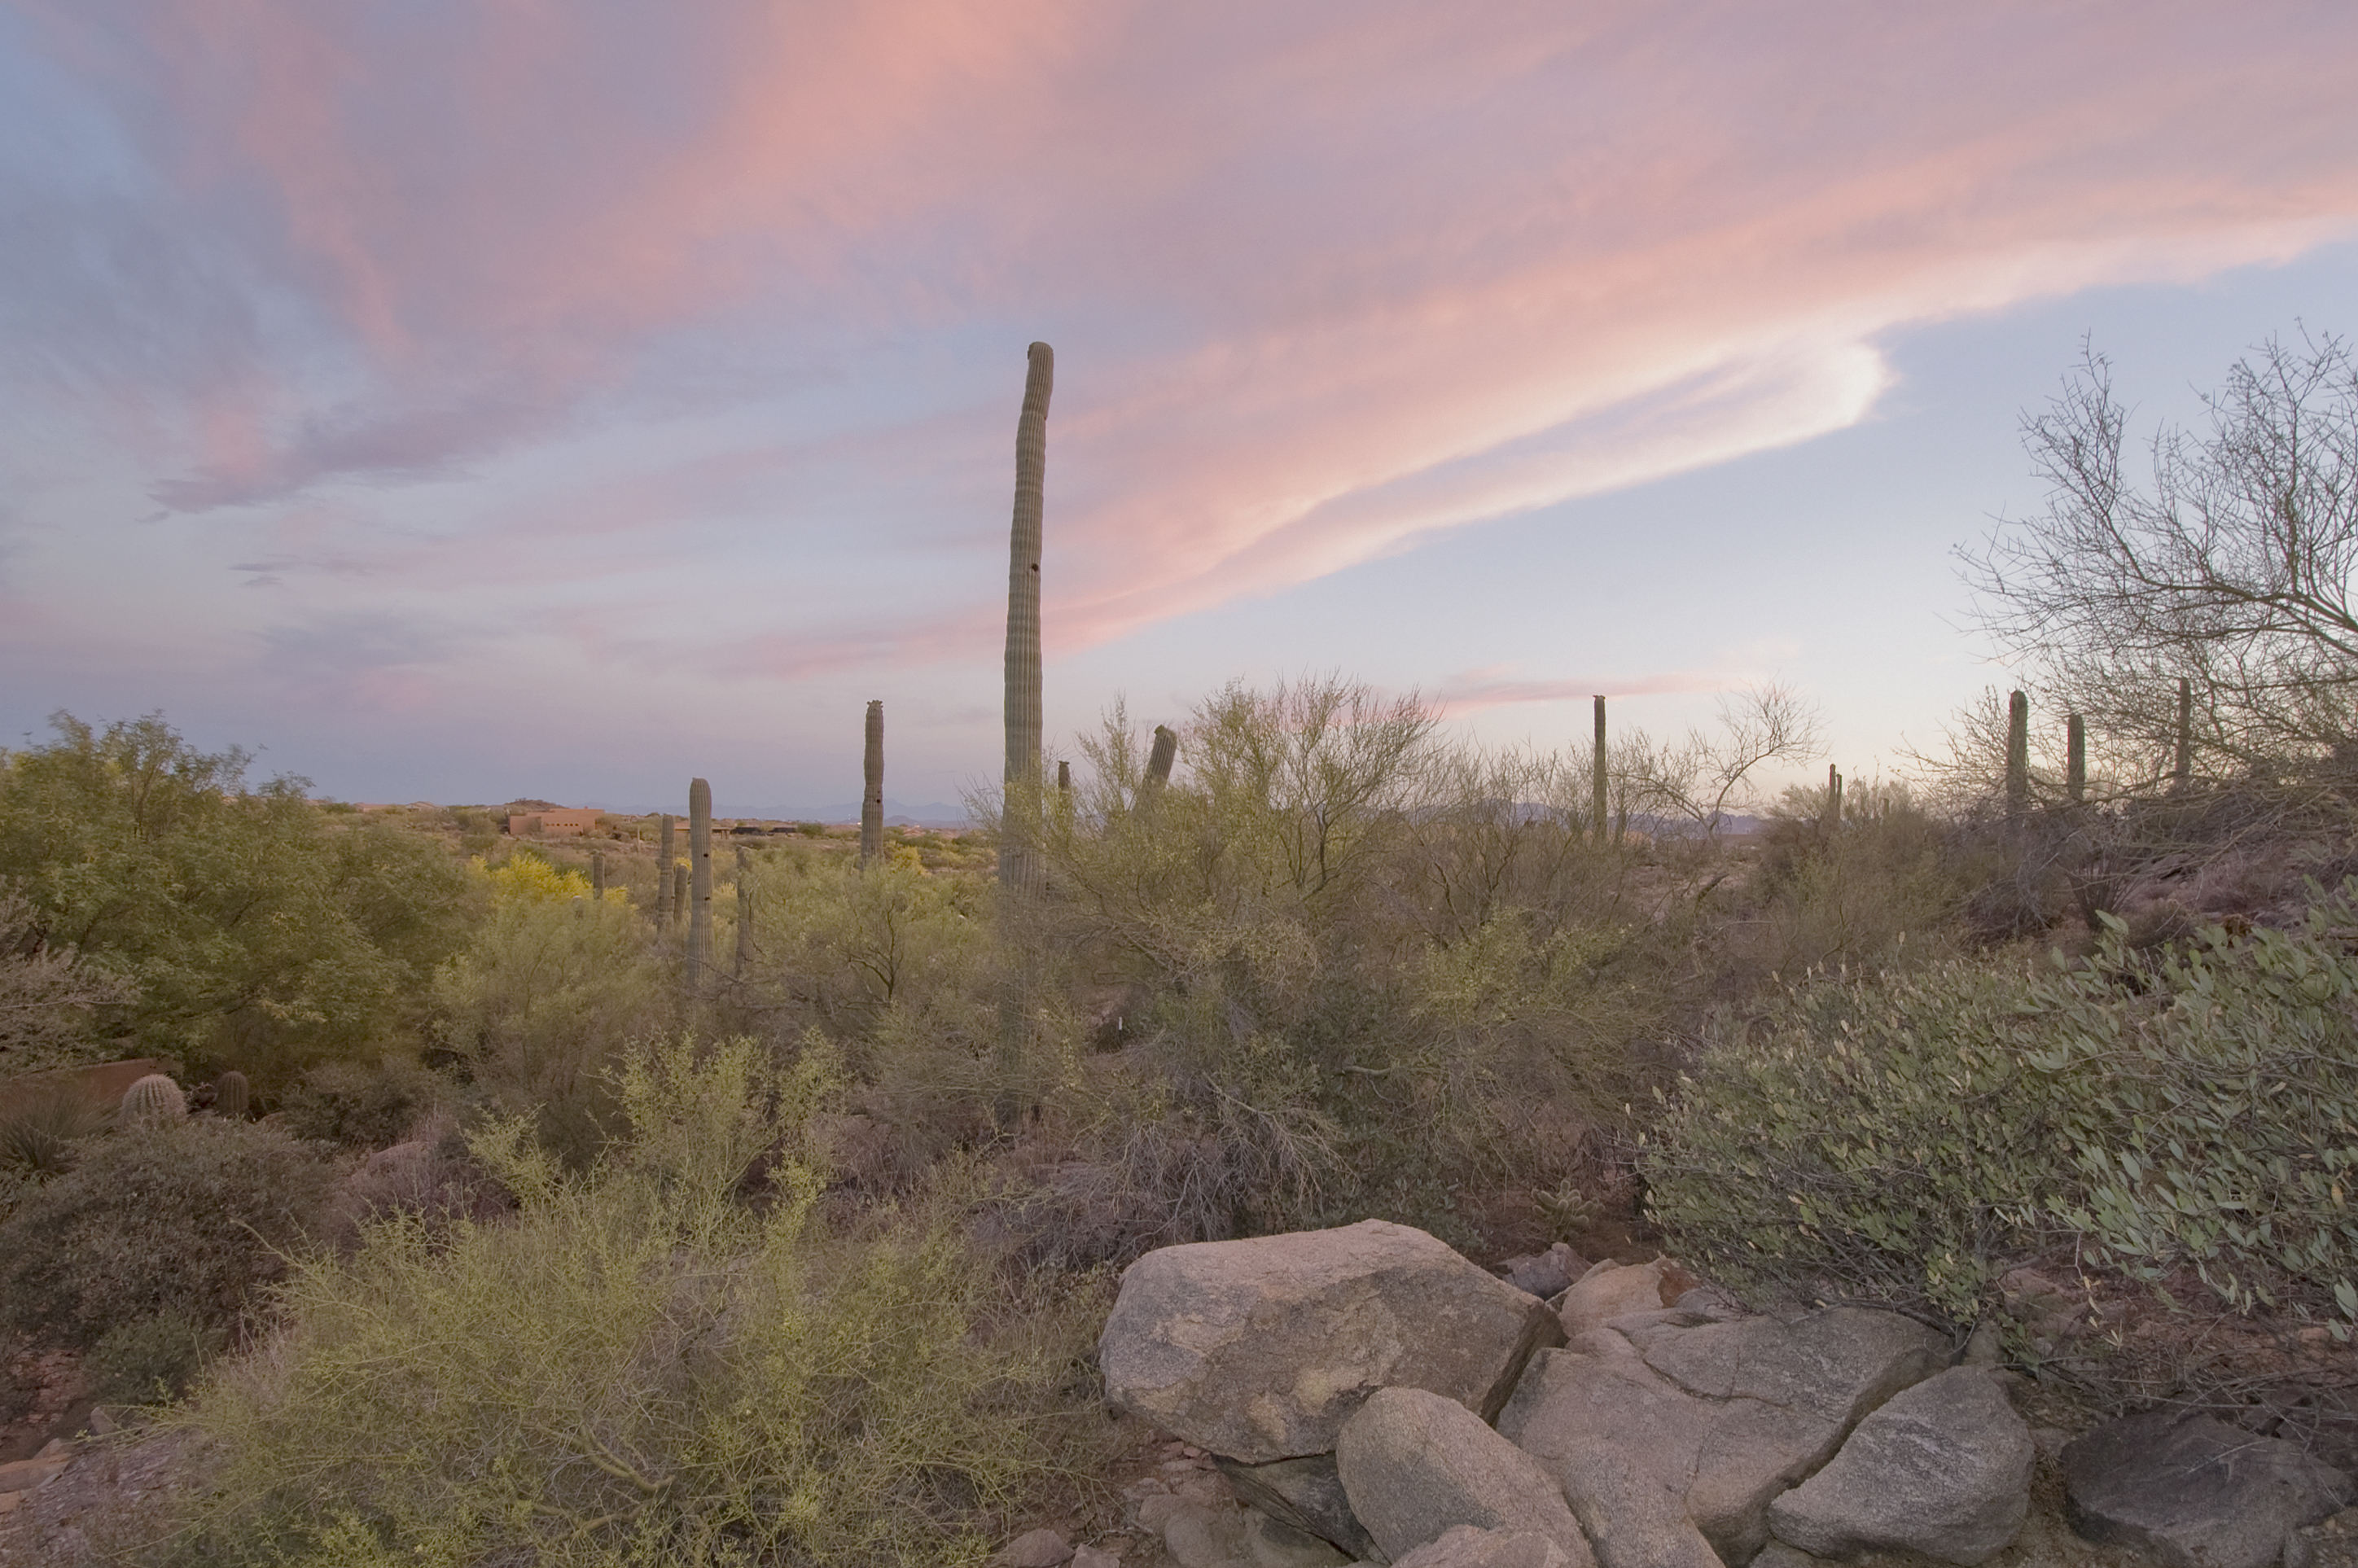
[[1886, 880], [39, 1132], [150, 1360], [52, 1000], [641, 1367], [256, 936], [1895, 1137], [363, 1105], [185, 1219], [553, 985], [1373, 971]]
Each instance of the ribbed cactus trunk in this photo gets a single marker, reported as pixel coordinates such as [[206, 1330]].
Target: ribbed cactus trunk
[[667, 908], [2181, 769], [679, 894], [1019, 857], [699, 880], [597, 874], [745, 960], [1159, 759], [2075, 765], [2017, 754], [1019, 867], [871, 792], [1833, 797], [1596, 801]]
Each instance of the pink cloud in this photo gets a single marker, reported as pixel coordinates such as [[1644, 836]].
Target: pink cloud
[[1324, 281]]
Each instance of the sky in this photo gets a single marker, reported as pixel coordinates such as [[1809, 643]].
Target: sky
[[466, 401]]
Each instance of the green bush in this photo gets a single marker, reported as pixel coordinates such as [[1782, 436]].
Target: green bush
[[544, 998], [1897, 1138], [186, 1219], [39, 1133], [641, 1367], [150, 1360], [363, 1105], [253, 932]]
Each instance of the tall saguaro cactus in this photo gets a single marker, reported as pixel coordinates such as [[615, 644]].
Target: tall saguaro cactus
[[1018, 855], [2075, 751], [666, 907], [1597, 805], [744, 913], [2017, 754], [699, 880], [1833, 797], [1018, 861], [872, 794]]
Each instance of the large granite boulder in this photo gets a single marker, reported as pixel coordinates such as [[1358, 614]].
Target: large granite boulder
[[1306, 1493], [1415, 1464], [1721, 1416], [1942, 1469], [2194, 1491], [1261, 1350], [1469, 1546]]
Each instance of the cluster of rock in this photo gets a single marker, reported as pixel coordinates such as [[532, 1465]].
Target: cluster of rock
[[1370, 1396]]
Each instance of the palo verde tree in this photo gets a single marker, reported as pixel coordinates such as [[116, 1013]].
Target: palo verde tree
[[255, 933], [2222, 560]]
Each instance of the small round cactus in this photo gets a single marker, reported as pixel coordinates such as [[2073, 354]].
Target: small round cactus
[[153, 1098], [232, 1096]]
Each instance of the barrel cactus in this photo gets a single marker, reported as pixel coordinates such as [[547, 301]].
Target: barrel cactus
[[232, 1096], [153, 1098]]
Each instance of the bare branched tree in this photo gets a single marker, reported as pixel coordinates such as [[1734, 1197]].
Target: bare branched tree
[[1703, 776], [2227, 564]]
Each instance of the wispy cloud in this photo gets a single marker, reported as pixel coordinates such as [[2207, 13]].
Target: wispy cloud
[[571, 293]]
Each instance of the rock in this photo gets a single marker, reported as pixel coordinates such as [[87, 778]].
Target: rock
[[2195, 1491], [1228, 1536], [1632, 1517], [1035, 1549], [1261, 1350], [1550, 1273], [1415, 1464], [1721, 1416], [1306, 1493], [1778, 1554], [2331, 1543], [1615, 1290], [1942, 1469], [1469, 1546], [1091, 1557]]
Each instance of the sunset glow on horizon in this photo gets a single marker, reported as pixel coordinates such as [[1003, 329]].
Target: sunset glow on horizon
[[469, 401]]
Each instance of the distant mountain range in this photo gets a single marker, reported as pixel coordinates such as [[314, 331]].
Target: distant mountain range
[[932, 814]]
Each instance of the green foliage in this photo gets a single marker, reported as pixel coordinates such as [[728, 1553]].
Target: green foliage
[[51, 999], [552, 986], [364, 1105], [39, 1131], [640, 1368], [1897, 1137], [1884, 887], [1880, 1139], [184, 1219], [255, 932], [150, 1360], [1375, 969]]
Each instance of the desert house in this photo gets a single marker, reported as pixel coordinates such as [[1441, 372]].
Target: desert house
[[555, 821]]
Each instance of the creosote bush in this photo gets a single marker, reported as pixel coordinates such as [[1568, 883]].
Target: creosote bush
[[1899, 1137], [643, 1366], [186, 1220]]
